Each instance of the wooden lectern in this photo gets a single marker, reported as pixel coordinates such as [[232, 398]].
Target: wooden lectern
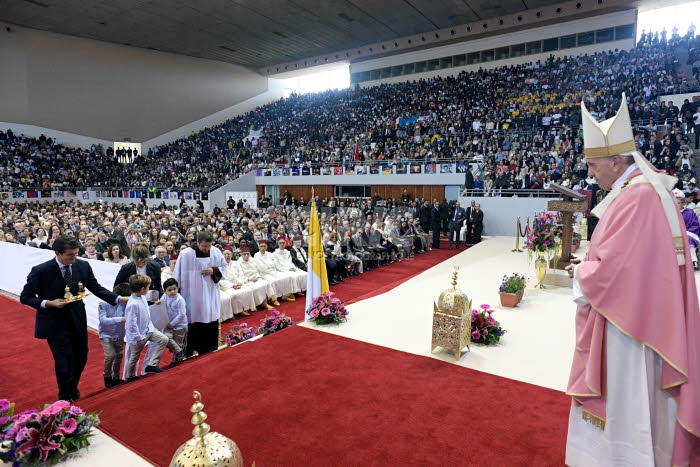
[[573, 202]]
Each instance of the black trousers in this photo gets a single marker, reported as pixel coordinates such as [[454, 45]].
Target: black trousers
[[477, 233], [70, 352], [202, 338], [454, 232], [436, 235]]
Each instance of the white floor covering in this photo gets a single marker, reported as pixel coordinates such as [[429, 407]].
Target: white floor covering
[[539, 340], [537, 347]]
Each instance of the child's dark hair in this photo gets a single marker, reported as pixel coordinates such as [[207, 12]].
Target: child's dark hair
[[122, 289], [138, 282], [170, 282]]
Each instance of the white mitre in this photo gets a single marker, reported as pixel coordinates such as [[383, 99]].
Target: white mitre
[[608, 138], [613, 137]]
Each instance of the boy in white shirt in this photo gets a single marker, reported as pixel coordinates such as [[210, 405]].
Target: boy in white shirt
[[176, 329], [111, 331], [139, 328]]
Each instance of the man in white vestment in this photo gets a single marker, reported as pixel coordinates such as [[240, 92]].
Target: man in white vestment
[[264, 293], [198, 271], [237, 299], [268, 269], [285, 264]]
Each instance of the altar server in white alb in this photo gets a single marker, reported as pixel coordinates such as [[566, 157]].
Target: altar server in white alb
[[286, 265], [198, 271], [235, 299], [263, 292], [268, 269]]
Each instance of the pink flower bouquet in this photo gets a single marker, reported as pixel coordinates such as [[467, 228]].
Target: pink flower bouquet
[[546, 229], [33, 437], [239, 333], [274, 322], [326, 309], [485, 328]]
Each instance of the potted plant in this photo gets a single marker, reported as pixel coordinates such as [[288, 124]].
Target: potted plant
[[512, 289], [274, 322], [575, 242], [327, 309]]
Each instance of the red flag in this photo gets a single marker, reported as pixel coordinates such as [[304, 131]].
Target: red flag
[[357, 149]]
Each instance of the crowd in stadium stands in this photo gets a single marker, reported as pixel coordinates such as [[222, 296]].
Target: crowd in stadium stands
[[357, 236], [518, 123]]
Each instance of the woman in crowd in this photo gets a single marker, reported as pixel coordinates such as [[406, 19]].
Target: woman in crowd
[[41, 240], [115, 255], [91, 251], [140, 264]]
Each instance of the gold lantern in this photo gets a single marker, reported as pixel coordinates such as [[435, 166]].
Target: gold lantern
[[206, 449], [452, 319]]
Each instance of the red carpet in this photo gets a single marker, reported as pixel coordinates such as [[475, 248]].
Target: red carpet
[[328, 400], [26, 365]]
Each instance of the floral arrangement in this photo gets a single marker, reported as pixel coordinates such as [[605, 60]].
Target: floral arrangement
[[274, 322], [326, 309], [546, 229], [576, 240], [512, 284], [485, 329], [239, 333], [33, 437]]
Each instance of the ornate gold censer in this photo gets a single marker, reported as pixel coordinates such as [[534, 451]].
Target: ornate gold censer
[[452, 319], [206, 449]]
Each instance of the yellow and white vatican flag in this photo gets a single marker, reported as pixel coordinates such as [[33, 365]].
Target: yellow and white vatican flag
[[316, 277]]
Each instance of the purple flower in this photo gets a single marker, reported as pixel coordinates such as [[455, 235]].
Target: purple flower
[[55, 408], [490, 320], [314, 313], [325, 312], [4, 405], [476, 335], [75, 410]]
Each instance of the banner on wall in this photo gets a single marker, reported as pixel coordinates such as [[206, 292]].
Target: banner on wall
[[446, 168], [430, 168], [250, 197]]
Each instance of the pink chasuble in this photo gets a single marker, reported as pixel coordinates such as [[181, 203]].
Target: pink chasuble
[[631, 279]]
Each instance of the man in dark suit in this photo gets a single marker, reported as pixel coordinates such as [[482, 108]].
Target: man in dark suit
[[117, 236], [425, 216], [62, 324], [435, 223], [469, 216], [455, 225], [478, 223]]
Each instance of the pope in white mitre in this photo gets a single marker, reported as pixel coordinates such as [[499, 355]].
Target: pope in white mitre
[[636, 368], [198, 271]]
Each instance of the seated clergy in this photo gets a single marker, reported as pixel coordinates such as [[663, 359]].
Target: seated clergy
[[254, 280], [268, 268], [234, 298], [285, 264]]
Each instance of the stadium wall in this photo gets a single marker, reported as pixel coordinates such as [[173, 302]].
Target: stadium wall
[[110, 91]]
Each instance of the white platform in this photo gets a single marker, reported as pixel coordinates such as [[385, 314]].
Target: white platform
[[537, 347]]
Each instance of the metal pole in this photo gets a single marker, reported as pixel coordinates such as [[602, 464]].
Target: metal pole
[[517, 237]]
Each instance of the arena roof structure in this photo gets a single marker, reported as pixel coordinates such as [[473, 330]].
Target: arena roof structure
[[264, 34]]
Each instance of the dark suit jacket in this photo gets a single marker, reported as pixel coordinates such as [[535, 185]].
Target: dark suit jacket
[[468, 214], [45, 282], [298, 260], [478, 218], [460, 218], [117, 236], [152, 270]]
